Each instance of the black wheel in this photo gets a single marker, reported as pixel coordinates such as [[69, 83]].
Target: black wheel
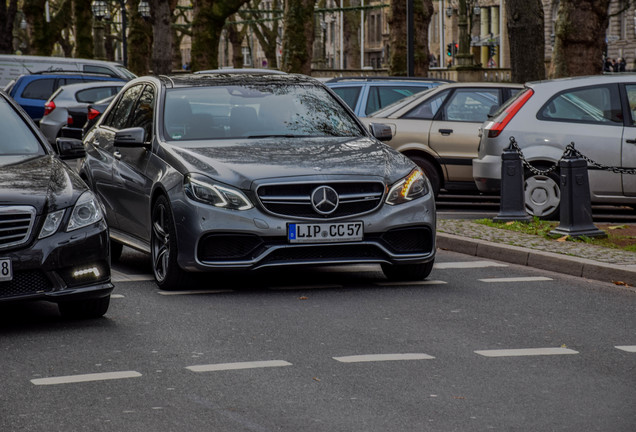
[[431, 172], [84, 309], [115, 250], [543, 195], [163, 245], [407, 272]]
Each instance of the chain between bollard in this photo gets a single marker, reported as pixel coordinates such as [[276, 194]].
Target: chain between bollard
[[569, 152]]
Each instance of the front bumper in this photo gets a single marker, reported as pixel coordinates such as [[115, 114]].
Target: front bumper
[[214, 239], [65, 266]]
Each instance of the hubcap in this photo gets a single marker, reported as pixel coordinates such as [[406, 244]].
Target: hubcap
[[542, 195]]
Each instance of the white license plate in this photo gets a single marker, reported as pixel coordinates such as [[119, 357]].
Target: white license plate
[[324, 232], [6, 271]]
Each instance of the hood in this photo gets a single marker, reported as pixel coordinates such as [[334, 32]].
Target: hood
[[44, 182], [240, 162]]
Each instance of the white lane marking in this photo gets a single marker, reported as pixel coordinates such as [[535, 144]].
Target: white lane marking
[[302, 287], [383, 357], [117, 276], [628, 348], [116, 296], [468, 264], [194, 292], [518, 279], [85, 378], [239, 365], [526, 352], [409, 283]]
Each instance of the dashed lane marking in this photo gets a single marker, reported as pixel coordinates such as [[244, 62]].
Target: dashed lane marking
[[116, 296], [303, 287], [518, 279], [628, 348], [383, 357], [69, 379], [526, 352], [193, 292], [239, 365], [410, 283], [468, 264]]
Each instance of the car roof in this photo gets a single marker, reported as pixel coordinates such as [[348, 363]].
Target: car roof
[[586, 80], [385, 79], [242, 71], [92, 84], [216, 79]]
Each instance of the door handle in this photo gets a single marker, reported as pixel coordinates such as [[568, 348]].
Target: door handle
[[631, 141], [446, 131], [117, 155]]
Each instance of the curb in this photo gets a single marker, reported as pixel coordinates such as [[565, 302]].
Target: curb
[[550, 261]]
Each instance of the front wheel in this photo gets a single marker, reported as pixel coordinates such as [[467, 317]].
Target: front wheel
[[163, 245], [407, 272], [543, 195]]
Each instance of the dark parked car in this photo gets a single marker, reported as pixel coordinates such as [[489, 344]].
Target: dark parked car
[[82, 117], [53, 236], [238, 172]]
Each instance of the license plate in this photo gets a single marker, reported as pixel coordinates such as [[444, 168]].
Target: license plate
[[324, 232], [6, 271]]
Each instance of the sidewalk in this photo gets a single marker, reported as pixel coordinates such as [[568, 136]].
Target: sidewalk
[[576, 259]]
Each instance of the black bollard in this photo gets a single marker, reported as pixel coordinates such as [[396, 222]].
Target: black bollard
[[576, 205], [512, 204]]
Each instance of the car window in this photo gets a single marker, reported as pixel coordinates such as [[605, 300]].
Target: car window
[[143, 113], [599, 104], [118, 117], [94, 94], [255, 111], [381, 96], [631, 97], [17, 138], [98, 69], [470, 105], [427, 109], [39, 89], [66, 81], [348, 94]]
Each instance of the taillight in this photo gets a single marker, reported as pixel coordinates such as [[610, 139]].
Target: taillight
[[92, 113], [69, 120], [497, 126], [49, 107]]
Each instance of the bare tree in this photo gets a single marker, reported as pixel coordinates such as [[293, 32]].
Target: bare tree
[[298, 36], [579, 38], [45, 34], [422, 14], [8, 11], [266, 28], [527, 39]]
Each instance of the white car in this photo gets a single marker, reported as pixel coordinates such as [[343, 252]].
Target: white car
[[596, 113], [72, 95]]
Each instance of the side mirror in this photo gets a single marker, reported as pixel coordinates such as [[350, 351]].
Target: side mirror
[[134, 137], [381, 131], [70, 148]]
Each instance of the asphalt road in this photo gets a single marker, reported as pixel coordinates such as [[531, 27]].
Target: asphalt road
[[479, 346]]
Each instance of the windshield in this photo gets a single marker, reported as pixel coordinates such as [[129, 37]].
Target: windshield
[[255, 111], [17, 138]]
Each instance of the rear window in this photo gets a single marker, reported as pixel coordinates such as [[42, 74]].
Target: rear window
[[94, 94], [39, 89]]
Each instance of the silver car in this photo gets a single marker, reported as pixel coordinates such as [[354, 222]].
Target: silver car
[[596, 113], [55, 108], [218, 172]]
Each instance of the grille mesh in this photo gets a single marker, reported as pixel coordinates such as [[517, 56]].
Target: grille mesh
[[28, 282], [16, 223]]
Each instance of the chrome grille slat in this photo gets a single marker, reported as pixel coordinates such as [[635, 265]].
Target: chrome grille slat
[[16, 223]]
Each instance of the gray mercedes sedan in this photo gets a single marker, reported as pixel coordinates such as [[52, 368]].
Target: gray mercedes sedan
[[221, 172]]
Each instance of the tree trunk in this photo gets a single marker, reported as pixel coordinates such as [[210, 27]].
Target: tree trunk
[[83, 19], [44, 34], [527, 40], [236, 35], [7, 17], [161, 19], [422, 13], [579, 38], [298, 36], [139, 44], [351, 28], [207, 25]]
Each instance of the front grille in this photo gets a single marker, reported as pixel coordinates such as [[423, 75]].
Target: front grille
[[294, 200], [409, 240], [16, 223], [25, 283]]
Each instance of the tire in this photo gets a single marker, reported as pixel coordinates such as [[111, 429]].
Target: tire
[[431, 172], [84, 309], [115, 250], [407, 272], [163, 247], [543, 195]]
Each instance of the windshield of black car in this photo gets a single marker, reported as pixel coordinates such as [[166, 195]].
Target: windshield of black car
[[17, 138], [255, 111]]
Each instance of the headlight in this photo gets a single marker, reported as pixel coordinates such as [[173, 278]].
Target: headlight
[[217, 195], [410, 187], [87, 211], [51, 223]]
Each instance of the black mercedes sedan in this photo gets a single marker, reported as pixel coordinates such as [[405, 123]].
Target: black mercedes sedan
[[224, 171], [54, 242]]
